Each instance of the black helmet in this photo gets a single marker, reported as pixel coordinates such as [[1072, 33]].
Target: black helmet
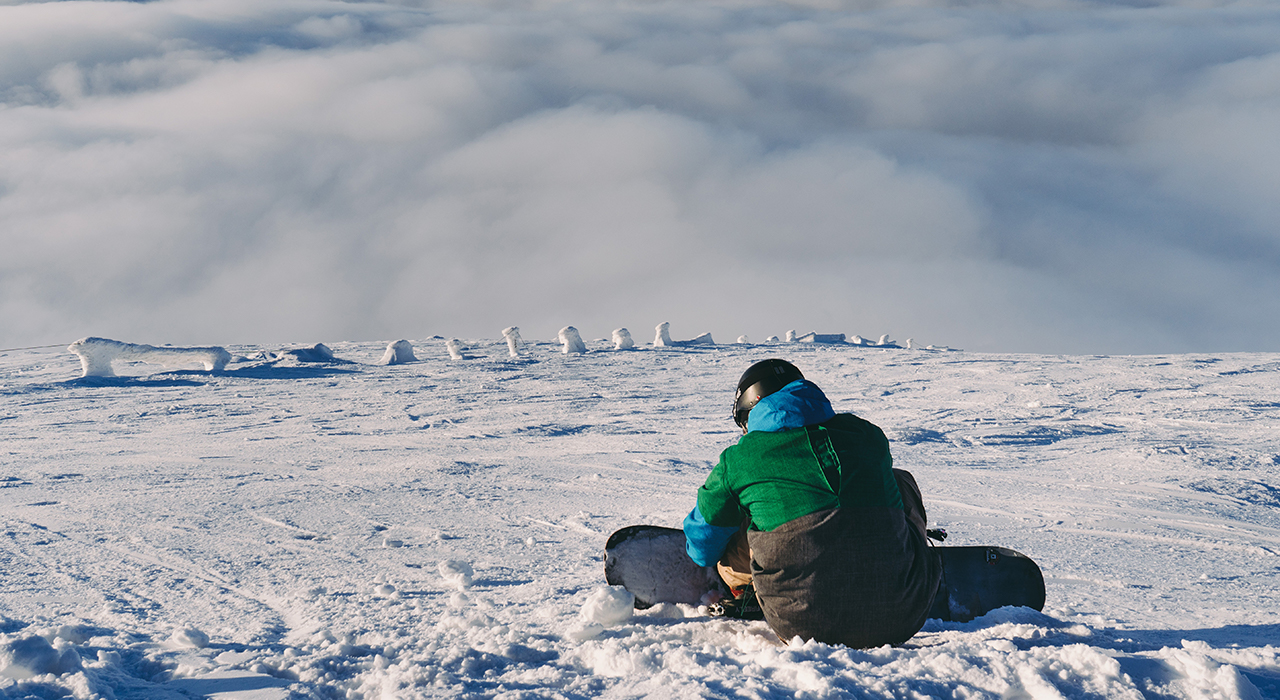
[[760, 380]]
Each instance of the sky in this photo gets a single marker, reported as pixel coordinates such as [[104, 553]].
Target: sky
[[1041, 176]]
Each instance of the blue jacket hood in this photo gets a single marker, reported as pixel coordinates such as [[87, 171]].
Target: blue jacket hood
[[795, 405]]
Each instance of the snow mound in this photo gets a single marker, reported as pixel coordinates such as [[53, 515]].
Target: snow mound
[[455, 349], [34, 656], [608, 606], [398, 353], [189, 638], [97, 354], [456, 573], [76, 634]]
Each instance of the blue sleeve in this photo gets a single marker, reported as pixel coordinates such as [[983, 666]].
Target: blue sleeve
[[705, 542]]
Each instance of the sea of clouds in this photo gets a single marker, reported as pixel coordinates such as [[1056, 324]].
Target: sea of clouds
[[1046, 176]]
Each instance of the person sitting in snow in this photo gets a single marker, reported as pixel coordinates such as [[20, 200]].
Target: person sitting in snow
[[808, 510]]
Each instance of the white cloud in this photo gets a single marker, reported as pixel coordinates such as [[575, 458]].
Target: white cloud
[[1062, 177]]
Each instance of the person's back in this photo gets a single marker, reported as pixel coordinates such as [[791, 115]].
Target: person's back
[[838, 551]]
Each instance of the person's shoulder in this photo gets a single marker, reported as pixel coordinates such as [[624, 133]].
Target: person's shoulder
[[850, 423], [757, 441], [843, 419]]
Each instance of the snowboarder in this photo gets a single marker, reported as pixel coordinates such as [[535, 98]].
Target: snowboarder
[[807, 513]]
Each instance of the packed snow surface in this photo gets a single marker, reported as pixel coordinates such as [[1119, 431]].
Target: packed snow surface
[[285, 528]]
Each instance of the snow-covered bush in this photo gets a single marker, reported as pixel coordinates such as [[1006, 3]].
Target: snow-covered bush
[[97, 354], [397, 353], [571, 340], [622, 339], [512, 335]]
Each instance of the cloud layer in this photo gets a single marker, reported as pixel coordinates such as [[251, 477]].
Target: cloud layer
[[1034, 176]]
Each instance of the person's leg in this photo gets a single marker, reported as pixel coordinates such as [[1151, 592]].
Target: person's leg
[[735, 565]]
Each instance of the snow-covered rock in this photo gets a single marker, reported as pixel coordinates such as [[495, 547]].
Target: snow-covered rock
[[829, 338], [662, 335], [398, 353], [662, 338], [313, 354], [97, 354], [571, 341], [622, 339]]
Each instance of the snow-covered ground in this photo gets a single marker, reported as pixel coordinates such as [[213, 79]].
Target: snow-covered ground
[[291, 529]]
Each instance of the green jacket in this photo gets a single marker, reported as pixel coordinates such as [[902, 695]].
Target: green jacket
[[780, 476]]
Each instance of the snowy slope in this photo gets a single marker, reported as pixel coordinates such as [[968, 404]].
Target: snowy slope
[[278, 529]]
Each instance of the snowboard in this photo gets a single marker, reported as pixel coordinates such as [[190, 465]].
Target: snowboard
[[651, 563]]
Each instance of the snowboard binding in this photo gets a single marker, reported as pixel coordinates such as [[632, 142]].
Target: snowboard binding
[[743, 605]]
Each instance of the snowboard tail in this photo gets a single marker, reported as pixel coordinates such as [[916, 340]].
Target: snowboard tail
[[651, 563]]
